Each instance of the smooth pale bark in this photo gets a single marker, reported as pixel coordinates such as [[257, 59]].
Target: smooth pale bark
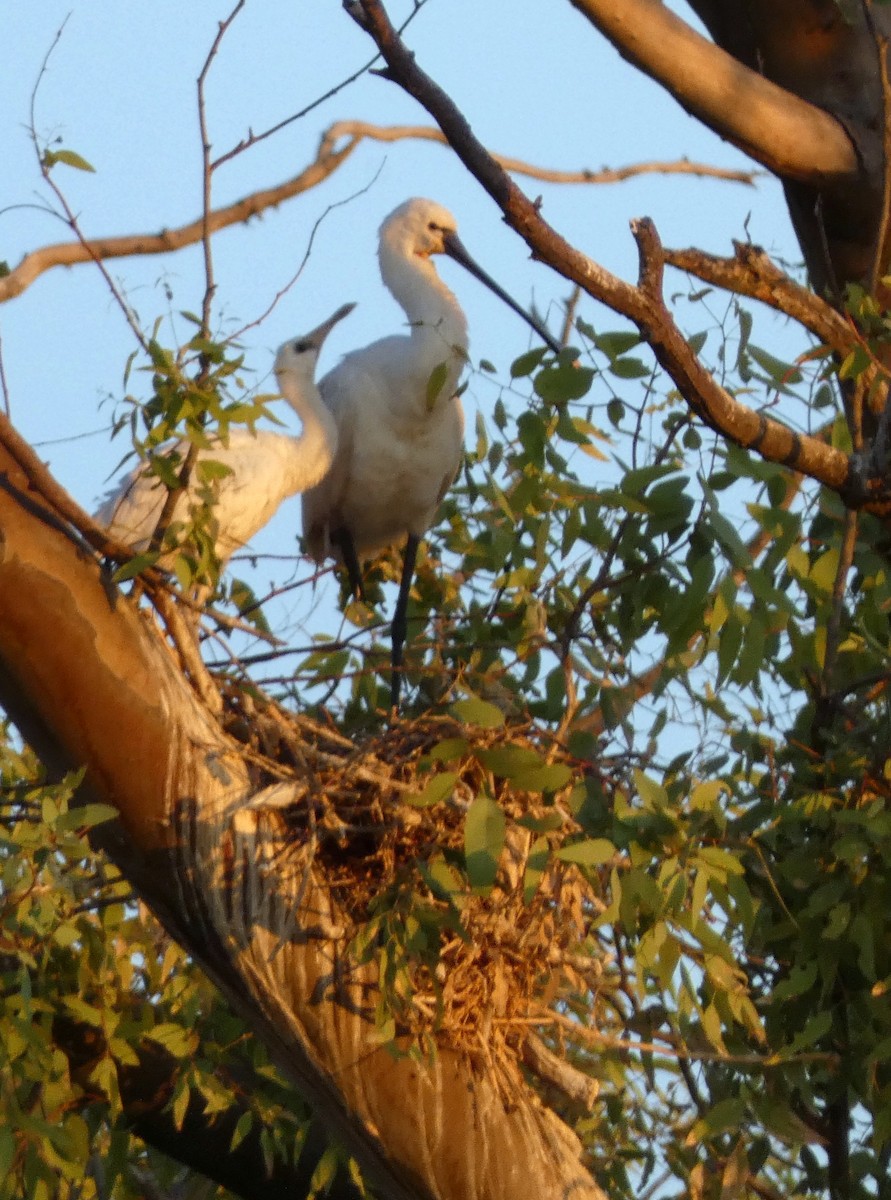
[[791, 137], [89, 678]]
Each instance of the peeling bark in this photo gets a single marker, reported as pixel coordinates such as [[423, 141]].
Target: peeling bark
[[92, 679]]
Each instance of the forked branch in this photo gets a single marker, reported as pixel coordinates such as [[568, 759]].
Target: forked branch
[[643, 304]]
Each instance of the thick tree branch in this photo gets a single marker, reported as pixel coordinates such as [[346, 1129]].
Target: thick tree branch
[[644, 304], [789, 136], [221, 865]]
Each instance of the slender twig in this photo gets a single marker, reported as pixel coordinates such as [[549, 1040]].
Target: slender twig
[[519, 166], [70, 219], [4, 385]]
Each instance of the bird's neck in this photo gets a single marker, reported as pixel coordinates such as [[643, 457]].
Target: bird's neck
[[315, 447], [434, 314]]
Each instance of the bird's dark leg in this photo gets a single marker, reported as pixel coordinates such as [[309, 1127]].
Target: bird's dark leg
[[399, 627], [343, 540]]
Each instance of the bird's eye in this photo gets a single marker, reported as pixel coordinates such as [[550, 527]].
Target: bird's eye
[[302, 346], [434, 228]]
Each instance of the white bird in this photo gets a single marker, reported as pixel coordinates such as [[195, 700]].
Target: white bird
[[264, 468], [400, 425]]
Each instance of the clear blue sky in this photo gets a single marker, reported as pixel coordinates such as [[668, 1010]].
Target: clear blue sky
[[535, 81]]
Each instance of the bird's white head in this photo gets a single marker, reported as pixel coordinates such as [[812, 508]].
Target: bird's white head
[[418, 227], [300, 355]]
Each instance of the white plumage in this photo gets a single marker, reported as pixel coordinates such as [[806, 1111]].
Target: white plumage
[[400, 424], [265, 468]]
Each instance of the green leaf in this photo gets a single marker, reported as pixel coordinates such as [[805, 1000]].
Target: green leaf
[[549, 777], [69, 157], [526, 363], [484, 830], [592, 852], [508, 761], [84, 816], [478, 712], [245, 600], [448, 750], [436, 383], [536, 865], [176, 1039], [438, 788], [7, 1151], [629, 368], [616, 343], [129, 570], [443, 880]]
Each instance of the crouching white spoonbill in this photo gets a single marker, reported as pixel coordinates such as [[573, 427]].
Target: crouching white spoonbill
[[400, 425], [265, 468]]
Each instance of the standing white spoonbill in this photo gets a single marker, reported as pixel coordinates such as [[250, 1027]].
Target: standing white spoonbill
[[400, 424], [265, 468]]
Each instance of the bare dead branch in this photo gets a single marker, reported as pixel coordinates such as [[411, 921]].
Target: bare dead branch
[[68, 254], [789, 136], [426, 133], [330, 156]]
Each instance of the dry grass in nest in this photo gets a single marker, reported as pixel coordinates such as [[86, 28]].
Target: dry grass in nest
[[479, 967]]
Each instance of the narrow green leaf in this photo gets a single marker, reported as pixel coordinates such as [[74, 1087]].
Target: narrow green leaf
[[129, 570], [478, 712], [435, 384], [536, 864], [592, 852], [438, 788], [484, 829], [70, 158]]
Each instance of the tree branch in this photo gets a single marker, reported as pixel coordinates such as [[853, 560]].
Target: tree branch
[[751, 273], [202, 1143], [329, 158], [644, 304], [789, 136], [517, 166]]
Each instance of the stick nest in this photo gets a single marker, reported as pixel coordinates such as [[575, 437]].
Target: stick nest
[[482, 967]]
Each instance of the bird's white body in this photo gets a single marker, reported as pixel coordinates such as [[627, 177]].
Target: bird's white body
[[400, 425], [399, 445], [265, 468]]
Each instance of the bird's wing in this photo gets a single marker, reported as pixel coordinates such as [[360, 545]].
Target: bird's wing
[[321, 504], [458, 452]]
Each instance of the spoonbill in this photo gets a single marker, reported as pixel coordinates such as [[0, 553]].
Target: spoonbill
[[265, 468], [400, 425]]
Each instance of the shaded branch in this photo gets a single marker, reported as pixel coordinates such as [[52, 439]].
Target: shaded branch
[[789, 136], [200, 1142]]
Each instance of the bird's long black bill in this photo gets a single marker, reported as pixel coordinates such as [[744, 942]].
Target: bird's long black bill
[[319, 334], [455, 249]]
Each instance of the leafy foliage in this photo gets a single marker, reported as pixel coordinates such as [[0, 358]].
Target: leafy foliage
[[92, 991], [669, 665]]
